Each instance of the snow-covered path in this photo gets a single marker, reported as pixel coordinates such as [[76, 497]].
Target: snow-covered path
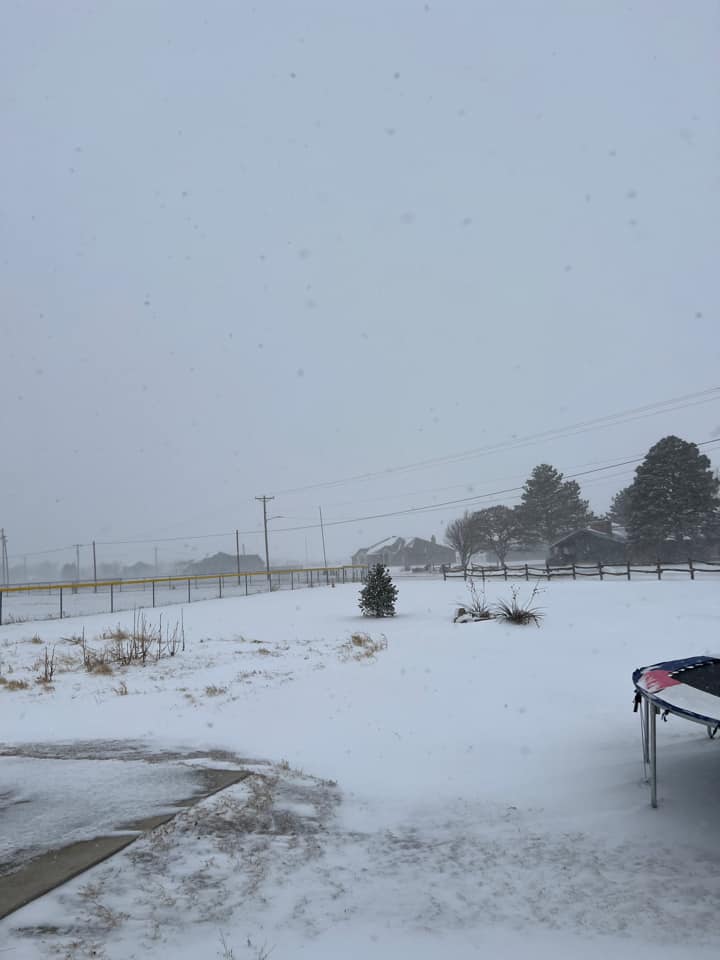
[[474, 789]]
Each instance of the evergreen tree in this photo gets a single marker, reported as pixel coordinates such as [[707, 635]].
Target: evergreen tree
[[377, 597], [550, 506], [673, 495], [496, 529], [619, 507]]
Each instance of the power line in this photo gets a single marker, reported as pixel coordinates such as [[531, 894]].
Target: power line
[[426, 508], [429, 508], [627, 416]]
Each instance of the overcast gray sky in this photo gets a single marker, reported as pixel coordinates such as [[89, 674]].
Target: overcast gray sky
[[249, 248]]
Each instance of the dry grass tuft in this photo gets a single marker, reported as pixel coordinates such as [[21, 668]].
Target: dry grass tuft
[[361, 646], [121, 690], [15, 684], [215, 691], [115, 633]]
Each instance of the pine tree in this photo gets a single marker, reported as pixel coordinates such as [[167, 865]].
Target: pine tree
[[550, 506], [673, 495], [377, 597], [618, 512]]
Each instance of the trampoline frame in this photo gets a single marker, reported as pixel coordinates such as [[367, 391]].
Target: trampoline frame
[[650, 706]]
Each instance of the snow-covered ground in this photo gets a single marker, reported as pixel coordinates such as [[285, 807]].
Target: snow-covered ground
[[471, 790]]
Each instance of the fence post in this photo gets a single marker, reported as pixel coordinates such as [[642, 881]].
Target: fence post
[[344, 572], [188, 589], [547, 569], [0, 608], [692, 568], [465, 573], [482, 573], [574, 571], [292, 580], [442, 567], [61, 610], [505, 572], [659, 571], [246, 585], [220, 586], [600, 570], [153, 593], [628, 570]]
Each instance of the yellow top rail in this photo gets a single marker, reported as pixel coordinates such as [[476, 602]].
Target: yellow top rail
[[178, 578]]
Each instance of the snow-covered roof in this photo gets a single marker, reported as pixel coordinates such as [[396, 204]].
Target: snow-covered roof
[[382, 544], [611, 537]]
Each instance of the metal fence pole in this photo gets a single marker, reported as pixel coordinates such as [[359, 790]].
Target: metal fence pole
[[0, 608], [61, 610], [112, 598], [188, 590], [153, 593]]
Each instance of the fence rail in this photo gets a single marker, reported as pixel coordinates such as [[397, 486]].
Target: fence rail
[[694, 569], [46, 601]]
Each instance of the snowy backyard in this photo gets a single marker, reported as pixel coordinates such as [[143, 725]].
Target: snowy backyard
[[469, 790]]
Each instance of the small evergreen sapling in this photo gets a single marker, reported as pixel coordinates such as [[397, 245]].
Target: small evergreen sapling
[[377, 597]]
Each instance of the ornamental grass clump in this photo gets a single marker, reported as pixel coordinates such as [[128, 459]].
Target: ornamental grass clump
[[514, 611]]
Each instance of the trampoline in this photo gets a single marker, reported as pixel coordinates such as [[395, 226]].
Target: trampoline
[[688, 688]]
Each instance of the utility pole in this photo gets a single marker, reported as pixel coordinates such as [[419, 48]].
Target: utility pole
[[322, 531], [237, 553], [4, 565], [267, 551]]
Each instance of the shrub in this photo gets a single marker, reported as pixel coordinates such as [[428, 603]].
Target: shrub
[[514, 611], [377, 597], [48, 667]]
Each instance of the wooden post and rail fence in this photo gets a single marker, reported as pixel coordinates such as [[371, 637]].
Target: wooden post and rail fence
[[694, 569]]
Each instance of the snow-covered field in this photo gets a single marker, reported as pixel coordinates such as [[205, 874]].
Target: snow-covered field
[[472, 790]]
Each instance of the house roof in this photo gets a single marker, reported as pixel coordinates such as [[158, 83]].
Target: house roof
[[607, 537], [382, 544]]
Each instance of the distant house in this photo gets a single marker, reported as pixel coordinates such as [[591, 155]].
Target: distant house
[[381, 552], [596, 543], [398, 552], [225, 563], [138, 571]]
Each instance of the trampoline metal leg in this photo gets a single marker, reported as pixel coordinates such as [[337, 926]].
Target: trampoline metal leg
[[645, 722], [652, 746]]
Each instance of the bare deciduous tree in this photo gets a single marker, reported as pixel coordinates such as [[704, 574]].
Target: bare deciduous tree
[[461, 536], [496, 529]]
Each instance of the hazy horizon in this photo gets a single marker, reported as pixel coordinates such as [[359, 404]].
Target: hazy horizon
[[369, 257]]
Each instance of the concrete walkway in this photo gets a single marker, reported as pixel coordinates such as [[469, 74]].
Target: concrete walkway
[[26, 880]]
